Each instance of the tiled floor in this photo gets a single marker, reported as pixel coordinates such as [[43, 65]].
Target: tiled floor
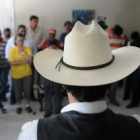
[[10, 123]]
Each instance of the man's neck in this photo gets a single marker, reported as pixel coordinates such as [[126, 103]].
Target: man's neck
[[71, 98], [33, 29]]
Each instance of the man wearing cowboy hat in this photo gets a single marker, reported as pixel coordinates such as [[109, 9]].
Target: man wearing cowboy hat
[[86, 70]]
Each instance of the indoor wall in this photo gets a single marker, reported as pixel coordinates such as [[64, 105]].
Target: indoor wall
[[53, 13]]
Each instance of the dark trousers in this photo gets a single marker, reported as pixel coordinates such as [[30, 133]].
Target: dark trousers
[[13, 96], [52, 89], [1, 105], [3, 81], [22, 85], [136, 87], [128, 87], [32, 81], [112, 91]]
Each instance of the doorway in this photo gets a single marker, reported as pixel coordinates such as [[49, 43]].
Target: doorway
[[7, 15]]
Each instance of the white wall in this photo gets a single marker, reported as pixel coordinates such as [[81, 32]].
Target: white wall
[[53, 13], [6, 15]]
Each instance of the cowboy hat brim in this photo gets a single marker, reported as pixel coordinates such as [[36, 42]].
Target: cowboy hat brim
[[127, 60]]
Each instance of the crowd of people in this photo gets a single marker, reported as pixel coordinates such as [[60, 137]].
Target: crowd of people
[[16, 59]]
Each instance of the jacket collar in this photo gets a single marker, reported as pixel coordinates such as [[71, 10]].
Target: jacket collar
[[86, 107]]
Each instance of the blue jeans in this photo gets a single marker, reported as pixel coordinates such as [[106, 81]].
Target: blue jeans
[[3, 81]]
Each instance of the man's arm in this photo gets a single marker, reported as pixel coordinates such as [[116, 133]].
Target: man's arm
[[34, 48], [61, 45], [29, 131], [28, 58], [9, 45], [62, 38], [17, 63], [32, 44], [43, 37]]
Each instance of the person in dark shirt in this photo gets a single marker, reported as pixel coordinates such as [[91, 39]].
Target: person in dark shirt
[[52, 89], [133, 81], [1, 39], [68, 28], [7, 34], [3, 77], [51, 40], [135, 39]]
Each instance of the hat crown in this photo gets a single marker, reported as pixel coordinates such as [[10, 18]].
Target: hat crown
[[87, 45]]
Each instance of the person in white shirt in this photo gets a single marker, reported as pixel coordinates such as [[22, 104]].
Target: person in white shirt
[[27, 42], [86, 75], [35, 32]]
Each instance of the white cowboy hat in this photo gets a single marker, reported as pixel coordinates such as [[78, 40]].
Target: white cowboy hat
[[87, 59]]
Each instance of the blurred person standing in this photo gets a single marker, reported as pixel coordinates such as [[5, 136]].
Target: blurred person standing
[[52, 89], [3, 72], [28, 41], [6, 34], [68, 28], [35, 32], [51, 40], [20, 58], [117, 40], [3, 77], [116, 36], [132, 86]]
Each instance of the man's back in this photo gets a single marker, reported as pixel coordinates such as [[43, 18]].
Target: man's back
[[76, 126], [136, 42]]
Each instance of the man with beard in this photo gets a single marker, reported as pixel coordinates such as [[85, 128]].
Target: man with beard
[[68, 28], [7, 34]]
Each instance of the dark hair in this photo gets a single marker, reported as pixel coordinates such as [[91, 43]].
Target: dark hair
[[135, 35], [87, 94], [52, 41], [33, 17], [118, 30], [7, 30], [21, 26], [68, 22], [18, 35], [102, 24]]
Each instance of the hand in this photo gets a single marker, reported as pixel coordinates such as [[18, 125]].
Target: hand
[[28, 58]]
